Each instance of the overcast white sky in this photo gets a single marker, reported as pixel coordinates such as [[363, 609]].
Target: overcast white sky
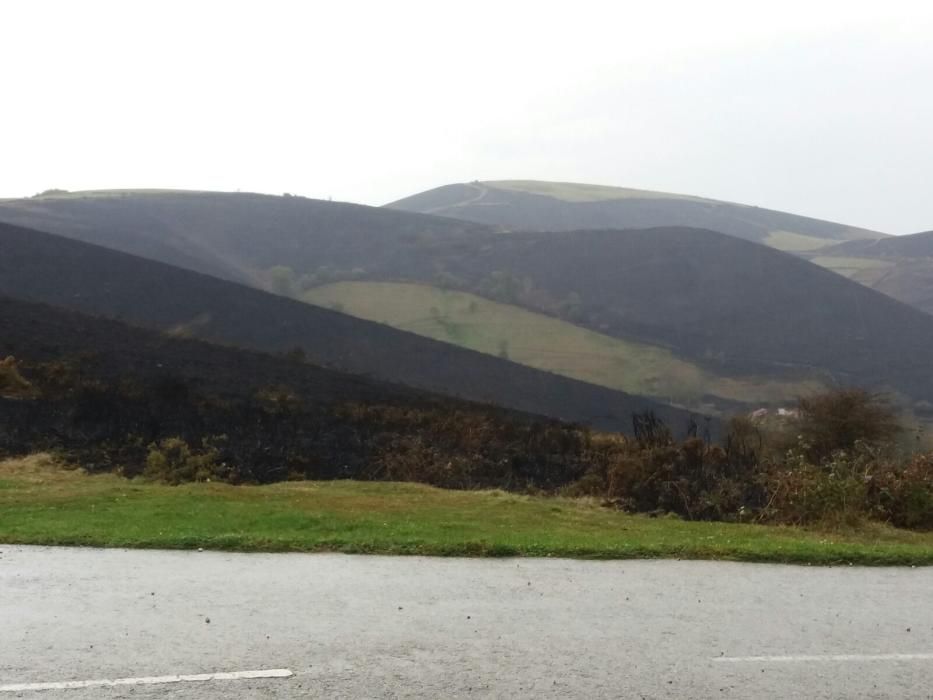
[[822, 108]]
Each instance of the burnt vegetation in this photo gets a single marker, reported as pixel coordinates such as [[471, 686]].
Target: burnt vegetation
[[111, 397], [834, 464]]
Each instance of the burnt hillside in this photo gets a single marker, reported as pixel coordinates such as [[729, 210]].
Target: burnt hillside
[[107, 394], [42, 268]]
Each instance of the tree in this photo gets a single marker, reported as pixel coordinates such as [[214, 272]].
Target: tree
[[838, 419]]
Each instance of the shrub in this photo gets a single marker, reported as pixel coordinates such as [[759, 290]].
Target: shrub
[[836, 420], [693, 479], [414, 458], [173, 461], [832, 493], [903, 494], [12, 383]]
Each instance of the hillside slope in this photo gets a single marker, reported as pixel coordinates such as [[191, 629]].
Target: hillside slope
[[734, 307], [238, 236], [111, 397], [723, 301], [43, 268], [529, 205], [899, 266], [558, 346]]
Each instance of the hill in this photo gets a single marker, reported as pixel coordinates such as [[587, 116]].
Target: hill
[[727, 303], [734, 309], [40, 267], [899, 266], [117, 398], [529, 205], [239, 236]]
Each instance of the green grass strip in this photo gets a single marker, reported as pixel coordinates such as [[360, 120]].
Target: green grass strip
[[41, 503]]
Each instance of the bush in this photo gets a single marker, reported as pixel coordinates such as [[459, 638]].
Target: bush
[[903, 495], [832, 493], [414, 458], [836, 420], [12, 383], [173, 461], [693, 479]]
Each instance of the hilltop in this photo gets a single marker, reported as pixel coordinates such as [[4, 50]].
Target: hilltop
[[530, 205]]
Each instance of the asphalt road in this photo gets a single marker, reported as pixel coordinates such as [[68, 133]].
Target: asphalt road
[[352, 626]]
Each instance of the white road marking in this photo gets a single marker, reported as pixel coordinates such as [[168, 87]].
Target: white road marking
[[150, 680], [824, 657]]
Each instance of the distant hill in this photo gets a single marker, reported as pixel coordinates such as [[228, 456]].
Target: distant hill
[[732, 309], [44, 268], [238, 236], [529, 205], [899, 266]]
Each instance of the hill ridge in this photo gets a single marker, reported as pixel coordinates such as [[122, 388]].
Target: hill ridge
[[561, 206]]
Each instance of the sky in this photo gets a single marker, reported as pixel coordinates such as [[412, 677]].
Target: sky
[[820, 108]]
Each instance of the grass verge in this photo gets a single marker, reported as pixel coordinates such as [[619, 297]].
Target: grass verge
[[43, 503]]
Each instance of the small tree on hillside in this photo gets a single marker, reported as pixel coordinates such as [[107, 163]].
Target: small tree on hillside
[[837, 419]]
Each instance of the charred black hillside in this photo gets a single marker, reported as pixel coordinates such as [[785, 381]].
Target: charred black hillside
[[38, 267], [106, 393]]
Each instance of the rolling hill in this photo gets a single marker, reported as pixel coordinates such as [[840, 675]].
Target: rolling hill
[[728, 304], [899, 266], [239, 236], [39, 267], [529, 205], [727, 310]]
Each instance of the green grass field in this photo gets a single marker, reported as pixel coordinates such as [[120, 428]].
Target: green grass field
[[854, 267], [43, 503], [795, 242], [546, 343]]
